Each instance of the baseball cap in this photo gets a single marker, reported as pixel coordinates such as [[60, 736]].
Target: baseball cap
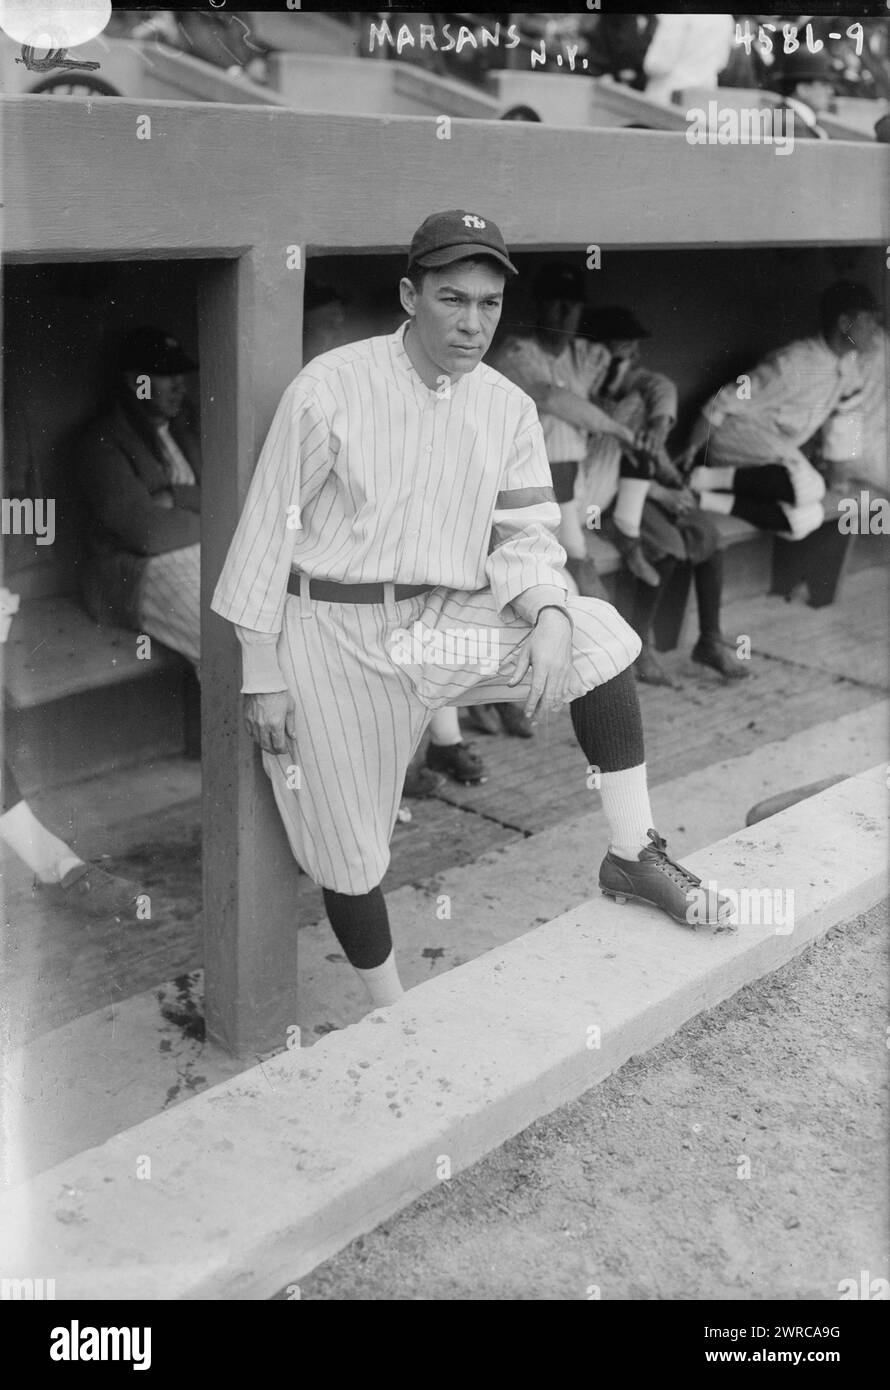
[[559, 280], [614, 323], [446, 237], [154, 352]]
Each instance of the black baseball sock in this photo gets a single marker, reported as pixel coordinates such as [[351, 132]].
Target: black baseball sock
[[769, 482], [360, 923], [708, 577], [646, 597], [608, 724], [760, 512]]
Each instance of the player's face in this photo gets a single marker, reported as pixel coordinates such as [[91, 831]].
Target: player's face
[[560, 315], [455, 315], [628, 349], [167, 395], [859, 330]]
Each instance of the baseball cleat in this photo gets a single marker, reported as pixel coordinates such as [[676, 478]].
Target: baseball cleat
[[649, 670], [90, 889], [420, 782], [712, 652], [515, 720], [458, 761], [661, 882], [482, 718], [631, 551], [585, 575]]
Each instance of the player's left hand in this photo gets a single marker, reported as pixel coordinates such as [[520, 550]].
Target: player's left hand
[[547, 652], [651, 438]]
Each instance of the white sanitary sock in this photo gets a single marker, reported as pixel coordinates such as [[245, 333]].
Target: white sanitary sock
[[629, 504], [716, 502], [382, 982], [626, 804], [44, 853], [712, 479], [444, 726]]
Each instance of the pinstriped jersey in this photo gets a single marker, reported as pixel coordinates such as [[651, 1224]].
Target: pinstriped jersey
[[580, 366], [367, 475]]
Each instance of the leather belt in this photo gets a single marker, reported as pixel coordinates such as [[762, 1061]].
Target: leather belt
[[329, 591]]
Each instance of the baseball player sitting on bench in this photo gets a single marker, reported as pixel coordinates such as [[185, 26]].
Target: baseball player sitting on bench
[[397, 553]]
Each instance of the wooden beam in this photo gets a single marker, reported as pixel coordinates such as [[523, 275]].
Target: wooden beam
[[248, 353], [78, 179]]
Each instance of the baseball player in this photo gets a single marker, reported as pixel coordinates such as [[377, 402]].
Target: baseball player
[[397, 553], [755, 465]]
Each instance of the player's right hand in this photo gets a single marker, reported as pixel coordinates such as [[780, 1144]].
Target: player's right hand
[[269, 719]]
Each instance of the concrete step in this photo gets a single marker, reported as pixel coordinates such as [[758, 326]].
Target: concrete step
[[81, 702], [260, 1178], [146, 1054]]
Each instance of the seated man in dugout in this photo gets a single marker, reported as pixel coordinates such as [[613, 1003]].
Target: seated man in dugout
[[673, 529], [757, 430], [562, 372], [856, 442], [139, 470]]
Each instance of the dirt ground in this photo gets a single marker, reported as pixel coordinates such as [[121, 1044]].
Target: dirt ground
[[638, 1189]]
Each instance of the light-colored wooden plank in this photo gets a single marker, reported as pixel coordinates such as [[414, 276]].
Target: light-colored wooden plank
[[173, 193]]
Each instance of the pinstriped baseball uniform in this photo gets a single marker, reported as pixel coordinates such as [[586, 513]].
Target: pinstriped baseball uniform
[[385, 480], [793, 392]]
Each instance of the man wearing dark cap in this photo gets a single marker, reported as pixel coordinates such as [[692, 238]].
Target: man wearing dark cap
[[756, 429], [673, 529], [805, 81], [396, 554], [139, 469]]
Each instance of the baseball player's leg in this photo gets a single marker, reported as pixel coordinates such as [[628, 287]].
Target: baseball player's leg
[[358, 723], [170, 601], [55, 866], [563, 475], [711, 649], [48, 857], [606, 718], [447, 751]]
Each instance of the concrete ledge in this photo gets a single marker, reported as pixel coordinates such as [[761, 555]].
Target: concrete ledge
[[254, 1182]]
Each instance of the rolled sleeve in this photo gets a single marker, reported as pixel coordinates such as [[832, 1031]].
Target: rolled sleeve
[[524, 550]]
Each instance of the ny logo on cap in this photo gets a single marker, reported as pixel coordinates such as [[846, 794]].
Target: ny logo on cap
[[470, 220]]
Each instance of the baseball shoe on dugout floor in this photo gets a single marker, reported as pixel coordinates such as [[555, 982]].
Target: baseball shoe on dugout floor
[[631, 551], [482, 718], [650, 671], [661, 882], [420, 781], [90, 889], [709, 651], [584, 573], [458, 761], [515, 720]]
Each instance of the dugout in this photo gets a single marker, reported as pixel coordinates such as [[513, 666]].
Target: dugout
[[239, 200]]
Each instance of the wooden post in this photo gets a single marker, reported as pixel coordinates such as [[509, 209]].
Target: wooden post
[[250, 876]]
